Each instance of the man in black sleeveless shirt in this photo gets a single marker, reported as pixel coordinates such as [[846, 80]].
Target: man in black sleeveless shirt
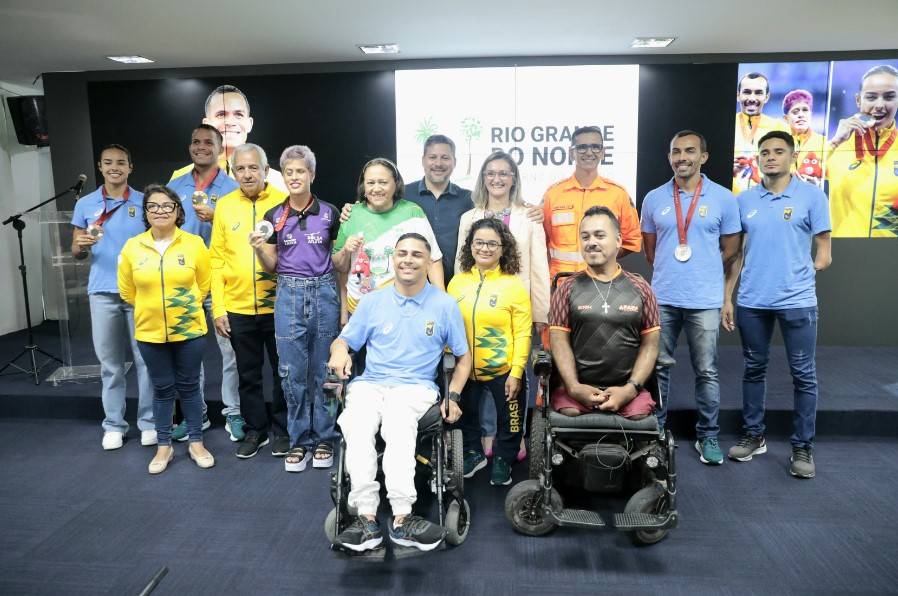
[[605, 328]]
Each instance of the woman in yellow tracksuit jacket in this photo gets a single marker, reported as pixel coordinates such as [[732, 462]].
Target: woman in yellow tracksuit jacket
[[165, 273], [495, 306]]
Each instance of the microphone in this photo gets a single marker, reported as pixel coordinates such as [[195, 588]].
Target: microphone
[[76, 188]]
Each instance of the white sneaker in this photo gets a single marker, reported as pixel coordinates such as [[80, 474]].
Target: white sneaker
[[148, 437], [112, 439]]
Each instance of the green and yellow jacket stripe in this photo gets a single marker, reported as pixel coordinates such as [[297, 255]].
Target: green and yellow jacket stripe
[[497, 314]]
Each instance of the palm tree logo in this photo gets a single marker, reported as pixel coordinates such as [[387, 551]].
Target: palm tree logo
[[470, 129], [426, 128]]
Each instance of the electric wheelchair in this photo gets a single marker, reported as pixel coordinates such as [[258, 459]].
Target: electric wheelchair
[[439, 472], [597, 453]]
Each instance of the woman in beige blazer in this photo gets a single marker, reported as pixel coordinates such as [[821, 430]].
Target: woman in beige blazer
[[497, 193]]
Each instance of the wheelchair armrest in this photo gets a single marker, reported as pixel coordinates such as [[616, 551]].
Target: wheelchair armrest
[[448, 362], [542, 363], [334, 386]]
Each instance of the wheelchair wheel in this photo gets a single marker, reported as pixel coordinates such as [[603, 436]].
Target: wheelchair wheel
[[537, 448], [523, 508], [651, 499], [330, 526], [456, 460], [458, 521]]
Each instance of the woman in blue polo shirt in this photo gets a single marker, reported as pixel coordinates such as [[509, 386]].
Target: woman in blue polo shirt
[[297, 245], [104, 220]]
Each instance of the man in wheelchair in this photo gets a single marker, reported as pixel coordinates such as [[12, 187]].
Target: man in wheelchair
[[604, 329], [405, 329], [599, 434]]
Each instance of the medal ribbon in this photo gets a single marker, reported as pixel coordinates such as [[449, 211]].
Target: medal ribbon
[[282, 220], [107, 214], [681, 228], [867, 139], [202, 185]]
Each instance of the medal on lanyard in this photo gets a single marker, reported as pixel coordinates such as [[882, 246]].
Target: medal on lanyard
[[199, 195], [683, 252], [96, 228]]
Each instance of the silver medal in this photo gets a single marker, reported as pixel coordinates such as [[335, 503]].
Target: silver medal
[[683, 252], [95, 231], [265, 228]]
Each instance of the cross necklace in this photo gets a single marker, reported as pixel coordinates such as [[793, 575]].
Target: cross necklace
[[605, 305]]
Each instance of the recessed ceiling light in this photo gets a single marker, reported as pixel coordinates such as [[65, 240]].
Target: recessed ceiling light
[[380, 48], [651, 42], [130, 59]]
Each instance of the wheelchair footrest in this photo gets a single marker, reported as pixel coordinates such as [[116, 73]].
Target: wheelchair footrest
[[375, 555], [578, 518], [644, 521]]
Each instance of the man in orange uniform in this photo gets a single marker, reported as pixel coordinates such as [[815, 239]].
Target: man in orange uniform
[[565, 203]]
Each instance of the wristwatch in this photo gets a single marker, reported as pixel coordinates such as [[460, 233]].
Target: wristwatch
[[454, 396], [636, 385]]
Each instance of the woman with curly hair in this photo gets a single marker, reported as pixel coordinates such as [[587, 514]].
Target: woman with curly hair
[[495, 306]]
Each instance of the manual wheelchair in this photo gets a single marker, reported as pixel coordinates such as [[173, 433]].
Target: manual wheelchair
[[598, 453], [439, 470]]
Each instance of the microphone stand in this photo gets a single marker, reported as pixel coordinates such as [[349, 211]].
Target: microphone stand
[[31, 348]]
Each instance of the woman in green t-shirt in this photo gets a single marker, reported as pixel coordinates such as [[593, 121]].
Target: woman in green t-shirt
[[364, 247]]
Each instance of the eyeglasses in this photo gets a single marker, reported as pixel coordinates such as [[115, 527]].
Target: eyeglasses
[[490, 244], [160, 207], [584, 147], [489, 174]]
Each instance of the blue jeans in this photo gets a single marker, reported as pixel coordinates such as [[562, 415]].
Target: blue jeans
[[799, 329], [174, 368], [230, 396], [306, 321], [702, 328], [112, 328]]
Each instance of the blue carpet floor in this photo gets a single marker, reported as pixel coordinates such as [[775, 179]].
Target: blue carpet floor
[[78, 520]]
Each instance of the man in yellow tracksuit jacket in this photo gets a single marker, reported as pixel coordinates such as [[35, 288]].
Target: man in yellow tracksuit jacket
[[243, 299]]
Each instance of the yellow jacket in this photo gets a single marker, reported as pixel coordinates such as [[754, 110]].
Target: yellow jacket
[[863, 188], [531, 239], [496, 310], [239, 283], [167, 290]]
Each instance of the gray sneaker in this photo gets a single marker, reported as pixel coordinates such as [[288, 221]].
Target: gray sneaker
[[802, 463], [747, 447]]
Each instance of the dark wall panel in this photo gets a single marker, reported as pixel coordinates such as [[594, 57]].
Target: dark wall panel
[[345, 118]]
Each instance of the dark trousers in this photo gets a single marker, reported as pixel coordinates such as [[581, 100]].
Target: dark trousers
[[251, 337], [174, 369], [510, 417]]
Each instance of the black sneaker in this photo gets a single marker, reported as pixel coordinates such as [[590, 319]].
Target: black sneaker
[[280, 446], [361, 535], [417, 532], [501, 475], [251, 444]]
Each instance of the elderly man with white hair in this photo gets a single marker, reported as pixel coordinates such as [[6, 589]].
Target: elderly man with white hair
[[243, 295]]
